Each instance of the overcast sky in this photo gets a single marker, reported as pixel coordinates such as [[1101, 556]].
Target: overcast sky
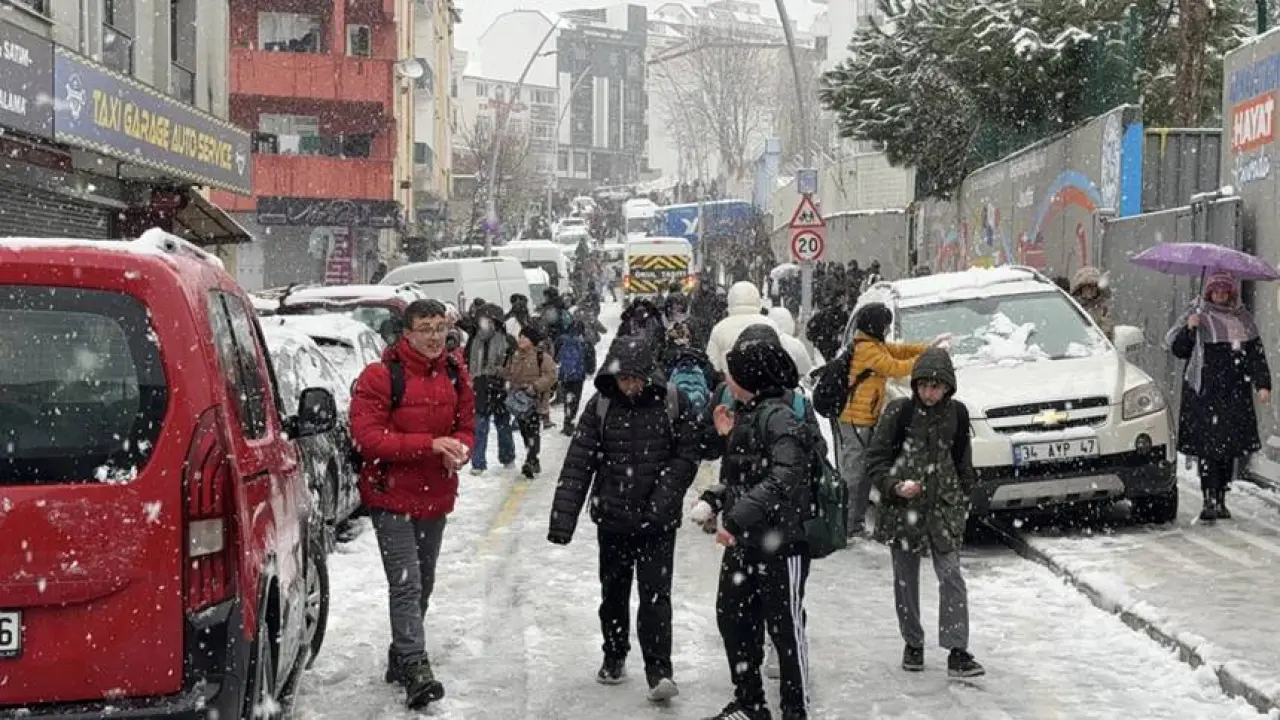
[[478, 14]]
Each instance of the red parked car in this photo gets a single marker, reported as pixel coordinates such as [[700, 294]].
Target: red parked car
[[160, 555]]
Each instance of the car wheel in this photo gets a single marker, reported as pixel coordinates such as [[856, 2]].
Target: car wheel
[[315, 609], [1156, 509], [262, 696]]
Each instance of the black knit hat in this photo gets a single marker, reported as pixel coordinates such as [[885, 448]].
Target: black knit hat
[[874, 320], [759, 362], [534, 333]]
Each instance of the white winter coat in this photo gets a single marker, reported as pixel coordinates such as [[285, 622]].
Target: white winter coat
[[792, 344], [744, 310]]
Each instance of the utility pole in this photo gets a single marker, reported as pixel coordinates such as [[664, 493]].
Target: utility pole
[[491, 206], [1262, 16], [806, 155]]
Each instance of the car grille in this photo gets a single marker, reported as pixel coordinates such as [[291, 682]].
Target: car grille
[[1034, 427], [1068, 405]]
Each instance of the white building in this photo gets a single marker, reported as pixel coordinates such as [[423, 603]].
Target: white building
[[477, 110], [433, 26]]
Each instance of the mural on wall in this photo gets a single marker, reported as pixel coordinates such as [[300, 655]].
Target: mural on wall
[[1038, 207]]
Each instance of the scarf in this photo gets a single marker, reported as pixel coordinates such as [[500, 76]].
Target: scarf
[[487, 353], [1218, 324]]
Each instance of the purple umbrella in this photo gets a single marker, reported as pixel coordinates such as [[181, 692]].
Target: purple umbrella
[[1202, 259]]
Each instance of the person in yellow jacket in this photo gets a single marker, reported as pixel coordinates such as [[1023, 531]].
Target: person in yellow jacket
[[874, 363]]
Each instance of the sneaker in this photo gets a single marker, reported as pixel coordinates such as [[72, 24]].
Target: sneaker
[[421, 686], [612, 672], [772, 669], [962, 665], [477, 471], [663, 690], [733, 711], [913, 658], [536, 466]]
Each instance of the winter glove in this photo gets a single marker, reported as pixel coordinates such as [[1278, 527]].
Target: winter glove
[[713, 497], [559, 537], [561, 530]]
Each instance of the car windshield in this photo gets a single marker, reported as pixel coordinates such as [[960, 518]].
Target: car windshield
[[639, 224], [343, 355], [1004, 328], [572, 223]]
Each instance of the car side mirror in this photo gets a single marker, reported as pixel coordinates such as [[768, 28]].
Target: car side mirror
[[1128, 337], [317, 414]]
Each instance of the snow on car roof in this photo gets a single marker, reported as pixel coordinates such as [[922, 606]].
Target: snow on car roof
[[974, 282], [330, 326], [353, 292], [283, 337], [154, 243]]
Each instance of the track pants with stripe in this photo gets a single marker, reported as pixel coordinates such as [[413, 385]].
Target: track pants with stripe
[[762, 592]]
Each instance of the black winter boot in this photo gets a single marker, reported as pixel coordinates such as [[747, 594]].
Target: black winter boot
[[421, 686], [1223, 512], [960, 664], [395, 668], [612, 672], [912, 659], [1209, 506]]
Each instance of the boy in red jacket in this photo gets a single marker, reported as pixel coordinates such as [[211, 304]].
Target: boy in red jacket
[[413, 426]]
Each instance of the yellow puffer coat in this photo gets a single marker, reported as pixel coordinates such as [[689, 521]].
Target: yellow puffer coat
[[887, 361]]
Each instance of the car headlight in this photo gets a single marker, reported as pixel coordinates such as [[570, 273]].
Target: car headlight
[[1142, 401]]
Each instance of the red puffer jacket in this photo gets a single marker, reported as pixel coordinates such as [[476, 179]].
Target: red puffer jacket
[[401, 473]]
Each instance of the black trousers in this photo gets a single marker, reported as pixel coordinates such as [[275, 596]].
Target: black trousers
[[572, 399], [651, 560], [1216, 473], [531, 433], [760, 592]]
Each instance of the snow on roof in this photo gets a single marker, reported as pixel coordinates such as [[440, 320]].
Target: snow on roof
[[857, 213], [349, 292], [329, 326], [968, 283], [152, 242], [282, 337]]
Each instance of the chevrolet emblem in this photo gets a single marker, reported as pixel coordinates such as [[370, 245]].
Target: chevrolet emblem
[[1051, 417]]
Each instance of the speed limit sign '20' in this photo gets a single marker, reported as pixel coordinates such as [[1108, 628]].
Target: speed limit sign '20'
[[808, 244]]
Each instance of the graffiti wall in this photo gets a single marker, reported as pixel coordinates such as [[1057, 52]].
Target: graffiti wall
[[1039, 206], [1251, 80]]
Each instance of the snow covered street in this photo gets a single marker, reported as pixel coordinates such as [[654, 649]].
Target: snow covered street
[[513, 633]]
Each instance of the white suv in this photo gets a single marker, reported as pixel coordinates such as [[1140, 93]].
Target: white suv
[[1060, 416]]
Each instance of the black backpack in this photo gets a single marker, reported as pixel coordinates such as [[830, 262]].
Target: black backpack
[[832, 390], [396, 370]]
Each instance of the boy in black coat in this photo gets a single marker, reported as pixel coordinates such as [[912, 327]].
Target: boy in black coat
[[634, 453]]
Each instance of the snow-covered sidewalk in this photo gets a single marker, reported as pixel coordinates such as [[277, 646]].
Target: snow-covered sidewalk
[[1208, 588], [513, 633]]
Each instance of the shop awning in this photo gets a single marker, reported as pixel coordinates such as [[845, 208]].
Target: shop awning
[[204, 223]]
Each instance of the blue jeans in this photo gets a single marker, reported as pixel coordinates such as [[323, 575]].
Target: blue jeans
[[506, 441]]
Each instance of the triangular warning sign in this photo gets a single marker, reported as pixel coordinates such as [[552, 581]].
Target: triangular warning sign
[[806, 215]]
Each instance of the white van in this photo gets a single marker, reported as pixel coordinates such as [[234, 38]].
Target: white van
[[543, 255], [539, 281], [637, 214], [651, 265], [460, 281]]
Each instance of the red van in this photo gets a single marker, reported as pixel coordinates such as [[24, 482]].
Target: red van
[[159, 556]]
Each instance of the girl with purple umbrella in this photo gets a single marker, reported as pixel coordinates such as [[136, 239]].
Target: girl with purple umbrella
[[1226, 364]]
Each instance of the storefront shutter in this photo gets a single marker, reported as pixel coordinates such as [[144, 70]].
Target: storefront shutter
[[26, 211]]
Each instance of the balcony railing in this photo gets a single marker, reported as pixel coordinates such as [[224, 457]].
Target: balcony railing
[[312, 176], [182, 84], [117, 50], [311, 76]]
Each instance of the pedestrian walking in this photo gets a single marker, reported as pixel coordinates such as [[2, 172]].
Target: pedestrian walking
[[634, 454], [487, 352], [826, 327], [873, 363], [786, 324], [576, 359], [1226, 365], [744, 303], [763, 501], [1089, 287], [413, 426], [530, 373], [921, 461]]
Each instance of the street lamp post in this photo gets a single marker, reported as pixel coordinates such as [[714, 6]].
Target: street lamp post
[[806, 150], [564, 110], [491, 206]]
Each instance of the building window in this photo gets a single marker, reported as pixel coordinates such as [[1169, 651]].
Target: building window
[[544, 97], [36, 6], [542, 131], [580, 161], [182, 50], [423, 155], [482, 90], [359, 41], [562, 161], [499, 93], [290, 32], [117, 43]]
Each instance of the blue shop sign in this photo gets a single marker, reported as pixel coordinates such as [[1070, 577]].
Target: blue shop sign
[[119, 117]]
